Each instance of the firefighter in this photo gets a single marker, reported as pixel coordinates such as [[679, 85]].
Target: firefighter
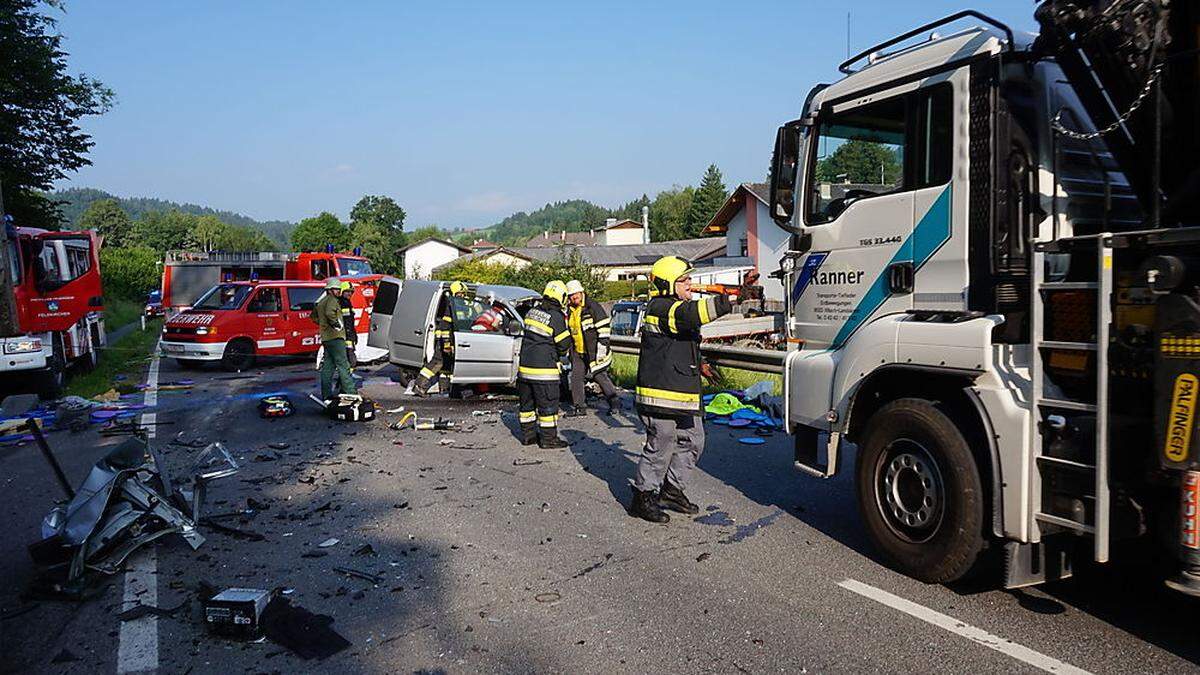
[[348, 322], [544, 350], [668, 389], [590, 355], [328, 314], [443, 339]]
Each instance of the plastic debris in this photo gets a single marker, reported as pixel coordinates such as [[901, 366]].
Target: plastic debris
[[332, 541], [752, 440]]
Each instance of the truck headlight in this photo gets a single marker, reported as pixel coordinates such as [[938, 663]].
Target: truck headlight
[[787, 264], [22, 345], [211, 330]]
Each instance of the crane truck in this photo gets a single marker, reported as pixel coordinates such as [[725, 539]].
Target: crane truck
[[1004, 317]]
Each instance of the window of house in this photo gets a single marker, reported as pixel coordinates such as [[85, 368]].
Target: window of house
[[267, 300], [743, 247], [898, 144]]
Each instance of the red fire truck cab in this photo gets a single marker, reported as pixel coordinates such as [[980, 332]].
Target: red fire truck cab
[[237, 322], [60, 308]]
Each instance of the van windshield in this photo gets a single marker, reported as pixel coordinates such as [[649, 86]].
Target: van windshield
[[223, 296]]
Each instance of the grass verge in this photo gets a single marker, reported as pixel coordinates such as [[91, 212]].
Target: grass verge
[[125, 357], [119, 311], [624, 374]]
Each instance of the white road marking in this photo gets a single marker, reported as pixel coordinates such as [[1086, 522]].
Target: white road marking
[[976, 635], [137, 646]]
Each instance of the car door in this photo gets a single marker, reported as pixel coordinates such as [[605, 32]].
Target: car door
[[266, 320], [301, 334], [481, 356], [410, 330]]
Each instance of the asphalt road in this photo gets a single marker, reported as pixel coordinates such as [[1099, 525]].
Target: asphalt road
[[497, 558]]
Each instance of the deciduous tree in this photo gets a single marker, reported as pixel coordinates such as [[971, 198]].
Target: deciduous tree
[[108, 219], [313, 234]]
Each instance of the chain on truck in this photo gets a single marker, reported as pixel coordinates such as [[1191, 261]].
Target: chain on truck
[[1004, 317], [53, 307]]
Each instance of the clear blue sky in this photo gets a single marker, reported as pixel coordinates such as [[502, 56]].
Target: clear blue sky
[[462, 112]]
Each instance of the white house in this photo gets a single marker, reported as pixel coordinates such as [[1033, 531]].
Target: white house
[[751, 237], [419, 260]]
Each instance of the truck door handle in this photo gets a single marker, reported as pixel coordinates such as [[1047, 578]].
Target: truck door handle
[[900, 277]]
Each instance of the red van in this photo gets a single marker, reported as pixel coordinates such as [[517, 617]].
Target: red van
[[236, 322]]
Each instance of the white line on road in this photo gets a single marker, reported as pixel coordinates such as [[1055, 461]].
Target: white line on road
[[977, 635], [137, 646]]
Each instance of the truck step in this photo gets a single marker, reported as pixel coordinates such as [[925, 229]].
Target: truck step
[[1077, 346], [1070, 286], [1064, 404], [1065, 522], [1059, 461]]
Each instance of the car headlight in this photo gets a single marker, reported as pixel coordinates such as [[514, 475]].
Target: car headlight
[[209, 330], [22, 345]]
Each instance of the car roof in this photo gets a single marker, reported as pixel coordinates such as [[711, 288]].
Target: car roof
[[277, 282]]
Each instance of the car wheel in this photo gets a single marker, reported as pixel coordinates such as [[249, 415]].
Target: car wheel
[[919, 491], [239, 355]]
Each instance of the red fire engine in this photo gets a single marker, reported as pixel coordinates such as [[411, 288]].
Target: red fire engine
[[238, 321], [60, 308], [187, 275]]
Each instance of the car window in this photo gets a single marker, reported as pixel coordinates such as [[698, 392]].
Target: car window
[[223, 296], [385, 297], [466, 310], [302, 299], [266, 300]]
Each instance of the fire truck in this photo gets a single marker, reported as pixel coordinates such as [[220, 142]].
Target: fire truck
[[187, 275], [237, 322], [1005, 322], [59, 301]]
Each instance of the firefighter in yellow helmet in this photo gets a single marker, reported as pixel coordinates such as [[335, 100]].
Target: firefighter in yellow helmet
[[347, 305], [668, 389], [544, 349], [443, 339], [590, 356]]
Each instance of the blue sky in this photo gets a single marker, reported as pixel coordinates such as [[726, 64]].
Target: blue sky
[[462, 112]]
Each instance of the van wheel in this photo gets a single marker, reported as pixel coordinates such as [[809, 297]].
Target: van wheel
[[919, 491], [239, 355]]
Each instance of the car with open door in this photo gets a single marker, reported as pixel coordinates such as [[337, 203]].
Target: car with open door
[[487, 328]]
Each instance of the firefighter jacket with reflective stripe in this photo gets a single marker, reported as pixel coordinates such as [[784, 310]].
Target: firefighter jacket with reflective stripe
[[668, 379], [545, 343], [329, 318], [443, 329], [348, 319], [594, 331]]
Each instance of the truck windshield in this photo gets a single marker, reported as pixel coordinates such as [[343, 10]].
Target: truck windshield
[[223, 296], [349, 267]]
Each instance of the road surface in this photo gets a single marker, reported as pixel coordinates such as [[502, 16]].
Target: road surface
[[498, 558]]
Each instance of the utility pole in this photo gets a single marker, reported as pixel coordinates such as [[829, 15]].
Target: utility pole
[[8, 299]]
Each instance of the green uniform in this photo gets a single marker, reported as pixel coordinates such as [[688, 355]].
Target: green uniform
[[333, 338]]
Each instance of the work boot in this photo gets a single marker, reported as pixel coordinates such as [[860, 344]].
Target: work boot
[[528, 434], [671, 497], [551, 441], [614, 404], [575, 411], [645, 506]]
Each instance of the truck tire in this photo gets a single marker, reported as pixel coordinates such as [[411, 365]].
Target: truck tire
[[51, 381], [919, 491], [239, 355]]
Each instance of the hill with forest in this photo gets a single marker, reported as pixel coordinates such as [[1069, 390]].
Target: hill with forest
[[573, 215], [74, 201]]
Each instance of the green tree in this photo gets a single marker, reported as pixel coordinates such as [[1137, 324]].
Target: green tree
[[207, 233], [162, 231], [236, 238], [108, 219], [709, 198], [129, 272], [376, 245], [40, 108], [313, 234], [669, 213], [859, 161], [382, 211]]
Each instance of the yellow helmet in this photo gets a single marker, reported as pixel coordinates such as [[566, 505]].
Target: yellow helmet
[[556, 291], [665, 272], [458, 288], [347, 286]]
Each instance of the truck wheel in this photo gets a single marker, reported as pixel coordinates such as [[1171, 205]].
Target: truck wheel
[[52, 380], [919, 491], [239, 355], [92, 358]]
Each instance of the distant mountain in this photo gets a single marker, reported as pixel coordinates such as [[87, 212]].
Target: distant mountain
[[573, 215], [74, 202]]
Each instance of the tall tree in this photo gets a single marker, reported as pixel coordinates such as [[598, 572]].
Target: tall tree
[[858, 161], [162, 230], [313, 234], [207, 233], [709, 198], [382, 211], [379, 216], [669, 213], [108, 219], [40, 107], [376, 244]]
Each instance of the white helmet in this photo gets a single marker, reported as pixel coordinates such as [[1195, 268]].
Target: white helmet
[[573, 287]]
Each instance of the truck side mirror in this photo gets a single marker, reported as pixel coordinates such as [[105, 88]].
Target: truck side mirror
[[785, 162]]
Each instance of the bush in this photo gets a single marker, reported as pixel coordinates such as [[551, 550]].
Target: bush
[[533, 276], [130, 272]]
